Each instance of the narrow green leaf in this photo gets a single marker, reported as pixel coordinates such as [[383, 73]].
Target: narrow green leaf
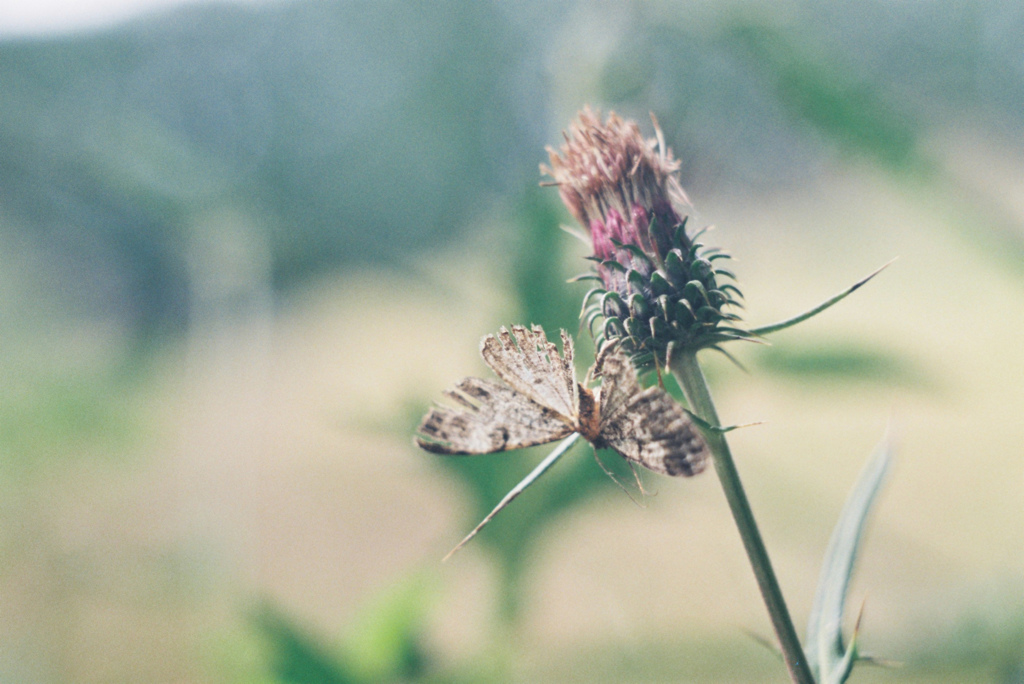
[[825, 652]]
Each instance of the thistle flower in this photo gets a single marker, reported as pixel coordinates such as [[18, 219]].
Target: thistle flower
[[659, 290]]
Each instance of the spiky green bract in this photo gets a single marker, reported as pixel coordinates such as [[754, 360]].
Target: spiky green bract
[[655, 307], [800, 318]]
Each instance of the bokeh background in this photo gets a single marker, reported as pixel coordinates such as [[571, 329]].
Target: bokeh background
[[244, 245]]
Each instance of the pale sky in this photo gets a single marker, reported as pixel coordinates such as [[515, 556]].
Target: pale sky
[[40, 17]]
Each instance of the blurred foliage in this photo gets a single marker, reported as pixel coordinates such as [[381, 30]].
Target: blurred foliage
[[823, 361], [822, 91], [383, 643], [329, 124], [297, 657], [538, 265], [755, 91], [46, 416], [986, 644]]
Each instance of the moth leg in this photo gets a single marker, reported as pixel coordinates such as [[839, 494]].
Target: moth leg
[[636, 476], [616, 480]]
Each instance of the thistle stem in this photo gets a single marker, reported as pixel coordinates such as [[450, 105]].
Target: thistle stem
[[690, 376]]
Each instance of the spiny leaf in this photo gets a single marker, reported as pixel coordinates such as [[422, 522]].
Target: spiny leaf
[[825, 652]]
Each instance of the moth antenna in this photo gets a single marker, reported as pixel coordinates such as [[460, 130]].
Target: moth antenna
[[559, 451], [616, 480]]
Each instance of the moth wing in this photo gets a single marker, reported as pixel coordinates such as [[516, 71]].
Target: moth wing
[[528, 363], [488, 417], [646, 426]]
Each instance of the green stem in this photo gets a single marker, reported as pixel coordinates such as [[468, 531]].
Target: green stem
[[690, 376]]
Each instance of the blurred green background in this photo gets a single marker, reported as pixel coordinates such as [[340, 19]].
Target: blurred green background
[[243, 246]]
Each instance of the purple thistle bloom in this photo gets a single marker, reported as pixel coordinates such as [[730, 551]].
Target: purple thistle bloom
[[624, 190]]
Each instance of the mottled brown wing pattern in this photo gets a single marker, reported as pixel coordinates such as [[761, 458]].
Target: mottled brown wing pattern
[[489, 417], [646, 426], [528, 363]]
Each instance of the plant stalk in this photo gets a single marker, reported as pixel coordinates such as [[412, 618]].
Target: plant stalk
[[688, 372]]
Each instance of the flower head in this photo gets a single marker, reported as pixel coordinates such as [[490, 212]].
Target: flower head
[[659, 290], [615, 182]]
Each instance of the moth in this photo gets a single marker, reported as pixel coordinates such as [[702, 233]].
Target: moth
[[540, 400]]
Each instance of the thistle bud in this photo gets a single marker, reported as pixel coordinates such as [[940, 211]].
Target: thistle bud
[[660, 287]]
